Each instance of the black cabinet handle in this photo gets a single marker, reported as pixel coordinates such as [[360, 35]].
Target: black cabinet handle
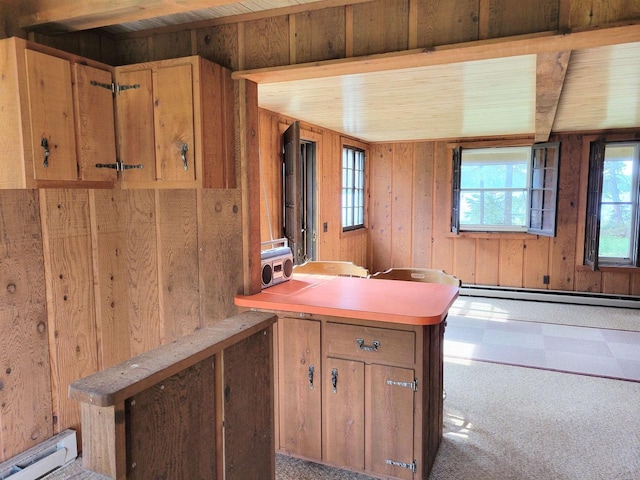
[[45, 144]]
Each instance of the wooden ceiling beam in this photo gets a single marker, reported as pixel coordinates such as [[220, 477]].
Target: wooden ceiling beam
[[551, 68], [539, 43], [72, 15]]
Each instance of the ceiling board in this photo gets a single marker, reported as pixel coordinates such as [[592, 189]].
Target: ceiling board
[[126, 16], [470, 99], [601, 89]]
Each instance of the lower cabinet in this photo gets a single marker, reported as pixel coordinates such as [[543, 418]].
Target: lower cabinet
[[299, 387], [365, 396], [344, 405], [391, 425]]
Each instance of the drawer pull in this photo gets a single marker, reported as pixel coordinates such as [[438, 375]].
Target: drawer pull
[[310, 374], [368, 348]]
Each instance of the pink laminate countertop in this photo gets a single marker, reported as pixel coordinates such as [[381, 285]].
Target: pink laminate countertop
[[396, 301]]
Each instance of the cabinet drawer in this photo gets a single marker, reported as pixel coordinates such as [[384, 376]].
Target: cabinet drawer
[[370, 344]]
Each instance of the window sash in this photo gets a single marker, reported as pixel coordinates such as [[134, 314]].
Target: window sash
[[595, 204], [541, 189], [353, 179]]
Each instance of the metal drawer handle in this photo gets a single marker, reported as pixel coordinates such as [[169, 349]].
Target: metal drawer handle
[[368, 348]]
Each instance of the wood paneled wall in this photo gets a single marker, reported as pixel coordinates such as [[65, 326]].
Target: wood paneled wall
[[25, 379], [332, 244], [326, 31], [410, 225], [125, 271], [335, 29]]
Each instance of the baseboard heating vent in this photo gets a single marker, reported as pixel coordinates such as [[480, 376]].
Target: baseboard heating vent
[[556, 296], [45, 457]]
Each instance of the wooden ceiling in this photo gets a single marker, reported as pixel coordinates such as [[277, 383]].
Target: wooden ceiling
[[526, 86], [480, 98], [121, 16]]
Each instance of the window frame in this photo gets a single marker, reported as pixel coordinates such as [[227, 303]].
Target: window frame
[[541, 203], [355, 147], [593, 210]]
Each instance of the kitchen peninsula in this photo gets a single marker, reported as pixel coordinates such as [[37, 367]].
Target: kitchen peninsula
[[359, 371]]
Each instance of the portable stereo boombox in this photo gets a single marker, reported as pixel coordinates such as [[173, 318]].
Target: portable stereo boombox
[[276, 262]]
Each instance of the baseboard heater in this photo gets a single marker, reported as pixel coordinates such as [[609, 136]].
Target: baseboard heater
[[45, 457], [556, 296]]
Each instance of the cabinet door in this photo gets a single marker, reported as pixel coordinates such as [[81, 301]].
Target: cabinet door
[[390, 421], [52, 125], [134, 107], [174, 123], [344, 413], [95, 127], [300, 387]]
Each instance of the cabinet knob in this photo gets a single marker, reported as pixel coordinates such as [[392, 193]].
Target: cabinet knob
[[334, 379]]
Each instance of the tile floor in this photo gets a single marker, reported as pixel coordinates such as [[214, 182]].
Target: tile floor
[[583, 350]]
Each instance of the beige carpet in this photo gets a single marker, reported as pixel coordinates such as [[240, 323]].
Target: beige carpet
[[519, 423]]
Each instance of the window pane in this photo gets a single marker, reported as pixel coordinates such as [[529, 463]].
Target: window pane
[[615, 232], [352, 188], [493, 187], [617, 226], [616, 186]]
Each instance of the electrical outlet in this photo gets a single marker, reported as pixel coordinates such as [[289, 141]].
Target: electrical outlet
[[545, 279]]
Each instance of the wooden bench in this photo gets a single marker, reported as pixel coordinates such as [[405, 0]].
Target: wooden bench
[[199, 407]]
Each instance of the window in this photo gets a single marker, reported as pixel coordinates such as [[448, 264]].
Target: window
[[508, 189], [353, 160], [613, 224]]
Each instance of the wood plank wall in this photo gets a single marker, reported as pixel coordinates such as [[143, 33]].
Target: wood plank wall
[[410, 225], [25, 379], [332, 244], [328, 30], [409, 216], [125, 271]]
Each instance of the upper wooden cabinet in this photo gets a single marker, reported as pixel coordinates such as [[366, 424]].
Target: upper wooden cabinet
[[175, 124], [57, 118]]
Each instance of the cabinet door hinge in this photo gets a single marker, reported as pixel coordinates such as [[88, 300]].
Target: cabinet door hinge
[[122, 88], [109, 86], [412, 385], [411, 466], [118, 166]]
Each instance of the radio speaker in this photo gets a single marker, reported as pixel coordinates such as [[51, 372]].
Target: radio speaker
[[276, 265]]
